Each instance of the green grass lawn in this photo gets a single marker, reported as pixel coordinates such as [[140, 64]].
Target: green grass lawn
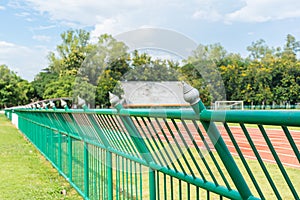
[[24, 173]]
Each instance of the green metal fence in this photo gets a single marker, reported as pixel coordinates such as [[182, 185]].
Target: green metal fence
[[170, 153], [8, 113]]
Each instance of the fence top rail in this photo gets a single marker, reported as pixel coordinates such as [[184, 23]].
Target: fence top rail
[[265, 117]]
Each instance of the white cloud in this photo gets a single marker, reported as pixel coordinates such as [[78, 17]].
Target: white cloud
[[2, 8], [4, 44], [41, 28], [214, 10], [246, 10], [111, 17], [84, 12], [42, 38], [92, 12], [266, 10], [27, 62], [156, 12], [23, 14], [111, 26], [212, 15]]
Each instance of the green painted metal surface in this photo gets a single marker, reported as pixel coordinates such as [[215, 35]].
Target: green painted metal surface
[[169, 153]]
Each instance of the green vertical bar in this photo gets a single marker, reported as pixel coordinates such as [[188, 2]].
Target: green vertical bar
[[152, 184], [188, 188], [51, 152], [131, 183], [70, 154], [197, 193], [171, 187], [165, 186], [141, 181], [59, 151], [123, 179], [158, 186], [102, 181], [109, 175], [207, 195], [127, 182], [117, 177], [135, 180], [86, 170], [179, 189]]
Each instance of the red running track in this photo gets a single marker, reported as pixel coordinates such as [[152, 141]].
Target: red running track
[[277, 137]]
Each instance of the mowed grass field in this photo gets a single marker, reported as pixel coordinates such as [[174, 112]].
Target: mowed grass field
[[24, 173]]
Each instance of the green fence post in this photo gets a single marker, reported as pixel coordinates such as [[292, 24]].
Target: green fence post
[[138, 142], [10, 114], [152, 187], [59, 151], [191, 95], [70, 154], [86, 170], [109, 175]]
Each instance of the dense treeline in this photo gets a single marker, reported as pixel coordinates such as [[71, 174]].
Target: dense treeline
[[13, 89], [90, 70], [267, 76]]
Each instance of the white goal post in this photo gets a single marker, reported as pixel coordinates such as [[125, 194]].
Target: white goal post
[[228, 105]]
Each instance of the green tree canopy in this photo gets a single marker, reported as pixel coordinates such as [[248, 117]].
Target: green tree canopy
[[13, 89]]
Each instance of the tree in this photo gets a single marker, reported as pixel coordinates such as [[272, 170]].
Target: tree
[[104, 64], [13, 90], [25, 92], [259, 49], [202, 71], [71, 52], [108, 81], [233, 75], [57, 80], [62, 87], [290, 48], [84, 89], [41, 80], [144, 68], [271, 75], [192, 75]]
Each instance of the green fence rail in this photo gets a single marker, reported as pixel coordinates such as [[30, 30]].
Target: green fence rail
[[169, 153]]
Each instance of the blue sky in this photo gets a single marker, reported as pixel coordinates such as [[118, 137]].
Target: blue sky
[[30, 29]]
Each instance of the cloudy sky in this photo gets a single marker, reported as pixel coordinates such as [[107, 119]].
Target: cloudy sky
[[32, 28]]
